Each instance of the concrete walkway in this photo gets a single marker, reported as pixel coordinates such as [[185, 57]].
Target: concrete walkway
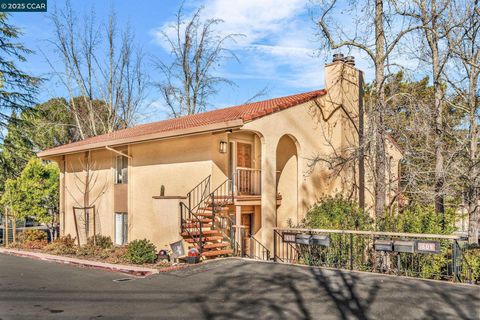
[[133, 270], [226, 289]]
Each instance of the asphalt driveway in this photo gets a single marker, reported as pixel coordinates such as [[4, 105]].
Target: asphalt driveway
[[226, 289]]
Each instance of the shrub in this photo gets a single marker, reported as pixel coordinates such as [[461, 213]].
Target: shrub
[[141, 251], [104, 242], [62, 245], [116, 255], [36, 244], [472, 256], [419, 219], [337, 213], [33, 235], [88, 250]]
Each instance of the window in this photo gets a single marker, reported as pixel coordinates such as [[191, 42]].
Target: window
[[121, 228], [121, 170]]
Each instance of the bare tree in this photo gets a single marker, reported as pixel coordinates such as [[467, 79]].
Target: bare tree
[[464, 43], [197, 49], [89, 185], [437, 22], [378, 44], [102, 71]]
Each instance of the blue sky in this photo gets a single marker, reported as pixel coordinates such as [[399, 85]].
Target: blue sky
[[277, 51]]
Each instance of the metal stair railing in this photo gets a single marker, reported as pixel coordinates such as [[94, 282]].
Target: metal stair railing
[[199, 193], [220, 197], [188, 217]]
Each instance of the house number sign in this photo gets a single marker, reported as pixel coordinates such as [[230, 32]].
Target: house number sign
[[428, 246], [289, 237]]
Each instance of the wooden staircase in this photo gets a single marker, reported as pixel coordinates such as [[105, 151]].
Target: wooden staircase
[[203, 220]]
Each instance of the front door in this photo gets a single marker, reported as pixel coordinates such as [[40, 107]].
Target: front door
[[247, 223], [244, 160]]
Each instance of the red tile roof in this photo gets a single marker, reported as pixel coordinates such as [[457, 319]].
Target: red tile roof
[[245, 113]]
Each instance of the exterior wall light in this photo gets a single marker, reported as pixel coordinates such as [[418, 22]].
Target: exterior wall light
[[223, 146]]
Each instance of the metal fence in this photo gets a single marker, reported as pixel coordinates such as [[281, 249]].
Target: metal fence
[[429, 256]]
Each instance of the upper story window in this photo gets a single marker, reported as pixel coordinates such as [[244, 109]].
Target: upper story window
[[121, 170]]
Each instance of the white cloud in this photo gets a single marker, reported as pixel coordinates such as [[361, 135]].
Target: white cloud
[[278, 44]]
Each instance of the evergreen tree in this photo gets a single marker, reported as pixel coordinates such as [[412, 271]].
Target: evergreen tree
[[17, 88]]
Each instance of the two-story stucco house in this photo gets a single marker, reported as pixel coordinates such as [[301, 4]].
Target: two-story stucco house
[[194, 177]]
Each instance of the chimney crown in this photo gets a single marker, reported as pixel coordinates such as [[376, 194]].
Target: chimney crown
[[350, 60], [338, 57]]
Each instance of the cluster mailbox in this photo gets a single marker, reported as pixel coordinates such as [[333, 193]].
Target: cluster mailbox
[[407, 246], [404, 246], [314, 240], [320, 240], [383, 245], [302, 239]]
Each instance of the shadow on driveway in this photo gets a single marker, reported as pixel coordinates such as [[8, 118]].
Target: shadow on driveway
[[251, 290], [225, 289]]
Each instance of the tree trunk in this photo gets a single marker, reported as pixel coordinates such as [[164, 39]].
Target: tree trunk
[[473, 195], [378, 116]]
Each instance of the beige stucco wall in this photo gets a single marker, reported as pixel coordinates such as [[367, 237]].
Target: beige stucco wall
[[99, 194], [177, 164], [284, 146], [325, 130]]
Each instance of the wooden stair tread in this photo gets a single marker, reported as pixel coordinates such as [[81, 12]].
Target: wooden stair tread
[[215, 245], [210, 238], [210, 209], [202, 220], [197, 233], [196, 225], [204, 214], [214, 253]]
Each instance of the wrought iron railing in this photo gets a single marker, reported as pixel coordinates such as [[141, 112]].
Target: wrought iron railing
[[220, 197], [192, 225], [356, 250], [466, 272], [257, 250], [199, 193]]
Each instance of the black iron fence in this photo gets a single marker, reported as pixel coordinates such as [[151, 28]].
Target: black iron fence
[[427, 256], [249, 246]]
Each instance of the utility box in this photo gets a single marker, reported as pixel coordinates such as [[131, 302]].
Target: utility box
[[404, 246], [320, 240], [303, 239], [383, 245]]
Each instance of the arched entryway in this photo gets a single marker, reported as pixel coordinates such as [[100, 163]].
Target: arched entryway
[[287, 180]]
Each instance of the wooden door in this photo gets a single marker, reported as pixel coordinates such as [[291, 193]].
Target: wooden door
[[244, 155], [244, 160], [247, 223]]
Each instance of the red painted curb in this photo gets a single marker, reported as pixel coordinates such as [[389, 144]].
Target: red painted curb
[[88, 264]]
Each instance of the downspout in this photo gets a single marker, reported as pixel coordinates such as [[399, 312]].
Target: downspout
[[361, 141]]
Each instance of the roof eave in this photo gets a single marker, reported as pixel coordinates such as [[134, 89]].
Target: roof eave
[[233, 124]]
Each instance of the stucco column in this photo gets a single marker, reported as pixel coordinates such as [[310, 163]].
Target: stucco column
[[269, 191]]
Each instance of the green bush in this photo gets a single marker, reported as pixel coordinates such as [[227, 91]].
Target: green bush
[[419, 219], [337, 213], [104, 242], [141, 251], [62, 245], [33, 235], [472, 256]]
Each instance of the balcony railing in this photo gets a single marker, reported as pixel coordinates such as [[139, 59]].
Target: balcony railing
[[248, 181]]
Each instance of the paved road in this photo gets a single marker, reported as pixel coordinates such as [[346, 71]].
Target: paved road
[[227, 289]]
